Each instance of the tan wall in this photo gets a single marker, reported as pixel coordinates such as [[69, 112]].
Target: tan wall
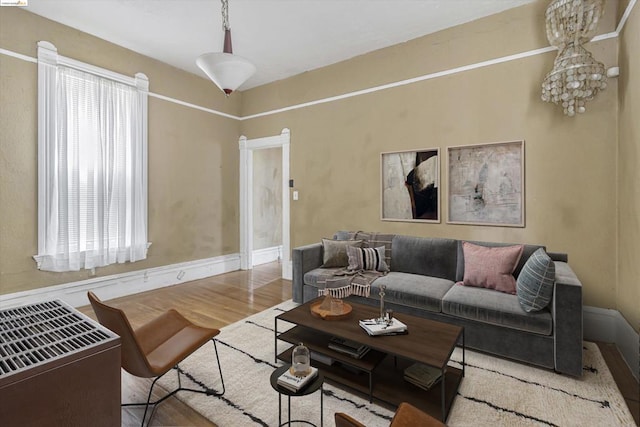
[[570, 162], [628, 292], [193, 180]]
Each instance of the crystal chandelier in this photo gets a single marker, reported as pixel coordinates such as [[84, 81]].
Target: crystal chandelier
[[576, 77], [226, 70]]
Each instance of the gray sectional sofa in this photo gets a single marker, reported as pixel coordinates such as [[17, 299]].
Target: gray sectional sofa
[[421, 281]]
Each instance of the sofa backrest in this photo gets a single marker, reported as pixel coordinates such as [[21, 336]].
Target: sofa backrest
[[526, 253], [436, 257], [428, 256]]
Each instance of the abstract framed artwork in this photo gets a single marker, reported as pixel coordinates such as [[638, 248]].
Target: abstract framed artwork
[[410, 185], [486, 184]]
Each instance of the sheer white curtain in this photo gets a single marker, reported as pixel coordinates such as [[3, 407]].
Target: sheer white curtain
[[92, 170]]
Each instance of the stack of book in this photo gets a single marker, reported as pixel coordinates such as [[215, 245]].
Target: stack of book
[[325, 360], [422, 376], [351, 348], [294, 382], [373, 327]]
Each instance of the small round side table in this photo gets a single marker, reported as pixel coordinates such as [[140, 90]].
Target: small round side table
[[310, 388]]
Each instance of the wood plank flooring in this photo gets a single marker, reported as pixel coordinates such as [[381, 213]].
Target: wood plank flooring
[[221, 300], [212, 302]]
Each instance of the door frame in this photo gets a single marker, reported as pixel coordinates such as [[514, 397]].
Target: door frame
[[247, 146]]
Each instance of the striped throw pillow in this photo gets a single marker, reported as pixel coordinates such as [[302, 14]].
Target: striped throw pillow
[[534, 286], [367, 258]]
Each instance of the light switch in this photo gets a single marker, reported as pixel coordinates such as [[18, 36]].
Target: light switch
[[295, 194]]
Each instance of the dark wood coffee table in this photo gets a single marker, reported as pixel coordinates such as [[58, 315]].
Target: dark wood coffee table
[[380, 372]]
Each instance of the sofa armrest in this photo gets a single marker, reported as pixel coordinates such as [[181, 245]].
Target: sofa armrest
[[567, 320], [305, 258]]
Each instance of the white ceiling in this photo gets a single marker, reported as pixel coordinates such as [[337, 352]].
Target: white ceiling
[[281, 37]]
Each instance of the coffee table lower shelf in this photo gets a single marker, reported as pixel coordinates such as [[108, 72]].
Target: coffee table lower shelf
[[388, 385]]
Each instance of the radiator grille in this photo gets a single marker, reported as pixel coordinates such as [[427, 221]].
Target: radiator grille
[[34, 334]]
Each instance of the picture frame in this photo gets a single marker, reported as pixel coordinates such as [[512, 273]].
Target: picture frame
[[410, 185], [486, 184]]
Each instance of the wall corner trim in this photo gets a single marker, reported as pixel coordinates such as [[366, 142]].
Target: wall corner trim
[[601, 324]]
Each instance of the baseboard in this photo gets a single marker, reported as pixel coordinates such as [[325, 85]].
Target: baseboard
[[601, 324], [114, 286], [263, 256]]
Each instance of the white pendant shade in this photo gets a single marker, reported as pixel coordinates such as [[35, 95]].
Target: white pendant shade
[[226, 70]]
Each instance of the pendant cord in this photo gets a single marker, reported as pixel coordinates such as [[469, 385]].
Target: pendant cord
[[225, 15]]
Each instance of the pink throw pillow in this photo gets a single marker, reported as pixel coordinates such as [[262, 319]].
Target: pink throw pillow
[[491, 267]]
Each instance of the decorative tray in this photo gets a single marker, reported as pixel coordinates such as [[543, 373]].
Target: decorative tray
[[324, 314]]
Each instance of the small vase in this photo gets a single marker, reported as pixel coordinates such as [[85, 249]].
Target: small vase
[[300, 361]]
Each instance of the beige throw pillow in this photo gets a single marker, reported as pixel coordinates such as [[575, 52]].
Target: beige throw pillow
[[335, 252]]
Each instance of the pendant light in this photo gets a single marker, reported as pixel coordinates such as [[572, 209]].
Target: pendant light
[[576, 76], [226, 70]]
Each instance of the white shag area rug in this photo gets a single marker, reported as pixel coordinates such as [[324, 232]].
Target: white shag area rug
[[494, 392]]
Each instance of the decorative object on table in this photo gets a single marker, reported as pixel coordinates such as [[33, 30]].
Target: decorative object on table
[[226, 70], [382, 319], [576, 77], [374, 328], [330, 308], [423, 376], [410, 185], [300, 361], [352, 348], [294, 382], [486, 184]]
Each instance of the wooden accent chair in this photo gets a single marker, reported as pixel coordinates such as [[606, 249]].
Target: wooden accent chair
[[407, 415], [156, 347]]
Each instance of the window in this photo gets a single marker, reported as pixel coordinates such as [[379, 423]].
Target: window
[[92, 165]]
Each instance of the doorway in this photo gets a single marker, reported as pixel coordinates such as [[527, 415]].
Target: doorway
[[248, 150]]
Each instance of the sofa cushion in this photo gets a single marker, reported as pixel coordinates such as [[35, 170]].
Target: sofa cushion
[[412, 290], [425, 256], [491, 268], [498, 308], [535, 282], [526, 253], [367, 258], [319, 275], [334, 252]]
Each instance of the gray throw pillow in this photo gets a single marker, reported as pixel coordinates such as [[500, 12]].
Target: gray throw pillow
[[367, 259], [335, 252], [534, 286]]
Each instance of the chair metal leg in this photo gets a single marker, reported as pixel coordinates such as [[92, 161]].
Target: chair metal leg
[[208, 392]]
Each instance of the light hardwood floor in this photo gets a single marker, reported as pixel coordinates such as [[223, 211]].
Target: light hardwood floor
[[221, 300], [213, 302]]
